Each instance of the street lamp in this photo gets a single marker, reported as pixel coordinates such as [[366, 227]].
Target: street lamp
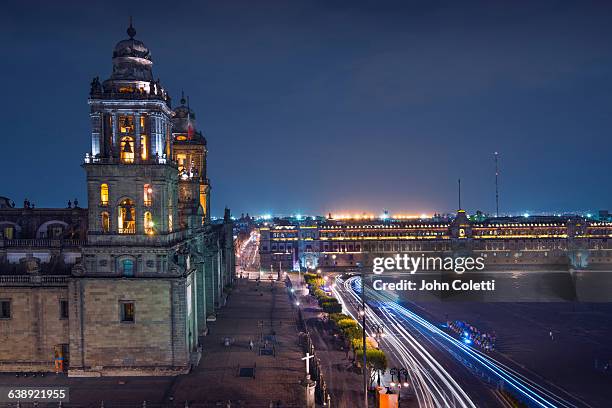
[[378, 331], [399, 373]]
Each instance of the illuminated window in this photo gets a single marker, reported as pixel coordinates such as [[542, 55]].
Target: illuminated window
[[104, 194], [105, 222], [126, 311], [181, 138], [143, 147], [126, 124], [181, 158], [127, 149], [148, 223], [126, 217], [9, 232], [148, 195], [170, 222], [142, 121], [126, 89]]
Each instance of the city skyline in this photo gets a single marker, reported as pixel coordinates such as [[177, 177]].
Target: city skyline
[[349, 109]]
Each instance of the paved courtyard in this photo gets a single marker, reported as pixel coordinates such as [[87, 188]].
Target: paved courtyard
[[258, 312]]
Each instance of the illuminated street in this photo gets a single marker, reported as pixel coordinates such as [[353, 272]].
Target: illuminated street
[[425, 348]]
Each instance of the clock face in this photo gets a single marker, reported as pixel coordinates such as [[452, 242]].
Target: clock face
[[181, 137], [461, 232]]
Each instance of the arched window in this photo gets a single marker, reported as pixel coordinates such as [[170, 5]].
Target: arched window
[[127, 149], [148, 195], [126, 217], [148, 223], [105, 222], [104, 194], [128, 267]]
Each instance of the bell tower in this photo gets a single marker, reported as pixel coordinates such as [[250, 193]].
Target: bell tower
[[190, 154], [137, 277], [132, 182]]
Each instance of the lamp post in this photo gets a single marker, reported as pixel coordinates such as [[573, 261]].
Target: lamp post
[[378, 330], [399, 372]]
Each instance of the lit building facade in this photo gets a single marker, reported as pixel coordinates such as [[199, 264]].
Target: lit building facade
[[559, 242], [125, 286]]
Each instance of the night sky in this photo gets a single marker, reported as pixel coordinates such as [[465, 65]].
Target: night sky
[[334, 106]]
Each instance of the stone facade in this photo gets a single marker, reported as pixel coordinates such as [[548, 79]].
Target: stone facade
[[126, 286]]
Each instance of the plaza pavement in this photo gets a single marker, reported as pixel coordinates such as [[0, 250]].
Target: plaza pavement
[[215, 381]]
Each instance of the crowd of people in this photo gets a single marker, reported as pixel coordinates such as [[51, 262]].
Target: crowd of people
[[472, 335]]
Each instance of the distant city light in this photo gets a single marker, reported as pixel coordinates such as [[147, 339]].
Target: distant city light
[[266, 217], [298, 217], [384, 216], [526, 215], [589, 215]]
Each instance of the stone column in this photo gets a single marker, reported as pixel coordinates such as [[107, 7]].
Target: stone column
[[309, 392], [137, 131], [115, 148]]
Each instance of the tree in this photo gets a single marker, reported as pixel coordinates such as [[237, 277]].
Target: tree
[[331, 306], [376, 362]]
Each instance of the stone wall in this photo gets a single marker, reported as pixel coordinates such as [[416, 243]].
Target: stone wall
[[100, 343], [28, 338]]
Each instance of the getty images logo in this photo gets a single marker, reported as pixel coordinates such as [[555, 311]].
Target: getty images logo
[[412, 264]]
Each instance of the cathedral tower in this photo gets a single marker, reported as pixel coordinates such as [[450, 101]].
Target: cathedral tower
[[137, 282], [190, 154]]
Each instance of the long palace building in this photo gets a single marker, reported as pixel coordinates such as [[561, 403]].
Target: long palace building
[[537, 241], [125, 286]]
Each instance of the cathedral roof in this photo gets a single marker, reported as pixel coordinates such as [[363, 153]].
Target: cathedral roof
[[131, 48], [132, 76], [132, 59], [184, 118]]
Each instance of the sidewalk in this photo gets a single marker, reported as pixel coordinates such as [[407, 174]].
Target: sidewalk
[[343, 379], [260, 312], [215, 381]]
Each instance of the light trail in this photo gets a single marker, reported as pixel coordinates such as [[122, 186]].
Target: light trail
[[400, 319], [432, 385]]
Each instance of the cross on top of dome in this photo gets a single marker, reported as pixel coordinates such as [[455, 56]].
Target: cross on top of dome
[[131, 31]]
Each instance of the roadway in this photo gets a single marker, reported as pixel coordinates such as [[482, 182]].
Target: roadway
[[443, 370]]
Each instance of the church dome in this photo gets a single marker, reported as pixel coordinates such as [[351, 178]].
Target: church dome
[[131, 48], [184, 124]]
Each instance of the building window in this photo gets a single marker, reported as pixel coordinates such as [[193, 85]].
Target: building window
[[126, 124], [128, 267], [63, 309], [105, 222], [170, 224], [148, 195], [104, 194], [127, 149], [181, 159], [5, 309], [143, 147], [9, 232], [126, 217], [148, 223], [127, 311]]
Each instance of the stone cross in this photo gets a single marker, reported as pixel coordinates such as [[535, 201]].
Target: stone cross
[[307, 358]]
